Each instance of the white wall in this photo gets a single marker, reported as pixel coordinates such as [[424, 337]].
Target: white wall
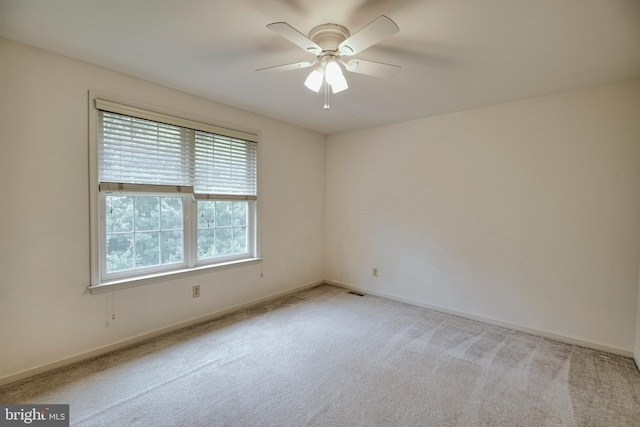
[[526, 213], [46, 314], [636, 353]]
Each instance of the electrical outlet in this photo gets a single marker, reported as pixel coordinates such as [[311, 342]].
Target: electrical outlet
[[195, 291], [375, 272]]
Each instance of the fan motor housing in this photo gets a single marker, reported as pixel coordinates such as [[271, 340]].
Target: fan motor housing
[[329, 36]]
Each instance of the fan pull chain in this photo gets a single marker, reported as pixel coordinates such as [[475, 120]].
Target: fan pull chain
[[326, 97]]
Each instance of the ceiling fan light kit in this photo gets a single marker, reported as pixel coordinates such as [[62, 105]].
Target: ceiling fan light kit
[[329, 42], [315, 79], [328, 71]]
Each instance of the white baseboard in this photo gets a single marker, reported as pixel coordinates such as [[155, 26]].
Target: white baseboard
[[143, 337], [636, 358], [489, 321]]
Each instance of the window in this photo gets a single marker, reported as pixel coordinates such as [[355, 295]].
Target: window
[[173, 195]]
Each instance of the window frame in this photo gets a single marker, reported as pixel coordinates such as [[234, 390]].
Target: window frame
[[101, 281]]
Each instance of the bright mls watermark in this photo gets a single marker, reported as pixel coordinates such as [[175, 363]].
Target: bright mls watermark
[[34, 415]]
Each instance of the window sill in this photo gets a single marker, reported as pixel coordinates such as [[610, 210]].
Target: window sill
[[117, 285]]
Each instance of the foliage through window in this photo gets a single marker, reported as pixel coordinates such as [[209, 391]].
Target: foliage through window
[[222, 228], [173, 194], [143, 231]]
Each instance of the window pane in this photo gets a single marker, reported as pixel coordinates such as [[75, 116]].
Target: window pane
[[240, 213], [171, 213], [228, 234], [154, 232], [119, 215], [147, 213], [171, 247], [224, 241], [119, 252], [223, 214], [206, 214], [206, 243], [239, 240], [147, 249]]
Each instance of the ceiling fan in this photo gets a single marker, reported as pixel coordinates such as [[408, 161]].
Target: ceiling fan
[[330, 43]]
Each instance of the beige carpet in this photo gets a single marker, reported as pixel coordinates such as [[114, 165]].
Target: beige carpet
[[327, 357]]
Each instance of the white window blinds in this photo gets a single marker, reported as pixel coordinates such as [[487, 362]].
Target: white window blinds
[[224, 165], [135, 151]]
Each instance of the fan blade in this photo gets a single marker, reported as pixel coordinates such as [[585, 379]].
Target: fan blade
[[286, 67], [294, 36], [375, 32], [370, 68]]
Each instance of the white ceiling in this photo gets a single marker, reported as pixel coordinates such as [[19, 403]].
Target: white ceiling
[[455, 54]]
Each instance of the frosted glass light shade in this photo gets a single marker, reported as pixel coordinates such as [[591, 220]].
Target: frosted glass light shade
[[332, 72], [314, 81], [334, 77], [339, 85]]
